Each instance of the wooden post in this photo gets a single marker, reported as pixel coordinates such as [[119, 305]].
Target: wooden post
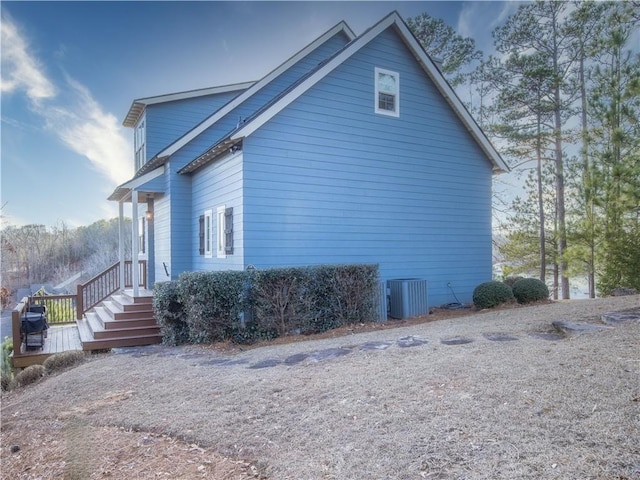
[[79, 302], [15, 326]]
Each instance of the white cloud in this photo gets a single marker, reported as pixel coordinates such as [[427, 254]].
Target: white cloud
[[69, 111], [90, 131], [478, 20], [20, 71]]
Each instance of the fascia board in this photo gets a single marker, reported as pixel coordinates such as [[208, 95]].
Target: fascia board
[[450, 95], [322, 72], [134, 183], [427, 64], [139, 104], [224, 110]]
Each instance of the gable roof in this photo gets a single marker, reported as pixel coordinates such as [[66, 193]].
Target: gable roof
[[138, 105], [305, 83], [341, 27]]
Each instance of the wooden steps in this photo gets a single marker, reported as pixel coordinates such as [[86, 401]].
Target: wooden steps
[[120, 321]]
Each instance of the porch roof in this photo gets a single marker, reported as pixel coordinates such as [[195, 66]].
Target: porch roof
[[143, 184]]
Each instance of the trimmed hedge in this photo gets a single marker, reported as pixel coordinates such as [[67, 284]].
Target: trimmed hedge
[[491, 294], [212, 303], [530, 290], [169, 313], [205, 307], [314, 299]]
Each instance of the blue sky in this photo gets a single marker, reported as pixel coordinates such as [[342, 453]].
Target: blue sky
[[70, 71]]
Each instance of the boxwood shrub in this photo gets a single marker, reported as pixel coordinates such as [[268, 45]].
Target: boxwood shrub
[[530, 290], [169, 312], [213, 303], [205, 307], [491, 294]]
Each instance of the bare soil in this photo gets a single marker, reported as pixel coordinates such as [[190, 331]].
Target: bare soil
[[458, 394]]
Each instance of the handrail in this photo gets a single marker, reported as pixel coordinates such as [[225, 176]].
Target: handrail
[[106, 283]]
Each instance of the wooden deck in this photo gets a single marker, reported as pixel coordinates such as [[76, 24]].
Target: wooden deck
[[59, 339]]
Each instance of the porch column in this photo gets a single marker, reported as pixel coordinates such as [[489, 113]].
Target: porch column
[[135, 270], [121, 241]]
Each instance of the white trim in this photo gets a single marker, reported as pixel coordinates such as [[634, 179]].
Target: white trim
[[141, 180], [355, 46], [138, 106], [208, 233], [220, 228], [396, 93], [182, 141]]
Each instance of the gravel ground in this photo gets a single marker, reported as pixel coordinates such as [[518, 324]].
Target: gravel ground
[[491, 395]]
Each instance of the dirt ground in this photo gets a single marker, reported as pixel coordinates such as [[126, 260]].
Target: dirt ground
[[433, 397]]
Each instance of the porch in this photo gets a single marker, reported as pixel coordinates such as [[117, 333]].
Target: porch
[[101, 315]]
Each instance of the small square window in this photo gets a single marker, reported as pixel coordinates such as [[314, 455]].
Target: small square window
[[387, 92]]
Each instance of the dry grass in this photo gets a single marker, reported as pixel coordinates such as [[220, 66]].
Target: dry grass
[[525, 409]]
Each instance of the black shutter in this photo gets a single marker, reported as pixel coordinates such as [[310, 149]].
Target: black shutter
[[201, 233], [228, 231]]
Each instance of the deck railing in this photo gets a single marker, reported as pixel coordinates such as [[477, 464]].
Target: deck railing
[[106, 283], [60, 308]]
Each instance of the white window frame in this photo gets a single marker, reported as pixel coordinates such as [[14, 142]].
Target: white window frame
[[220, 232], [208, 233], [395, 93], [139, 142]]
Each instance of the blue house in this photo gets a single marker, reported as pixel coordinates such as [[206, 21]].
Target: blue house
[[354, 150]]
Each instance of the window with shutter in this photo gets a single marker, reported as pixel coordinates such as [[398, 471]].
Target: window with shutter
[[228, 231], [201, 233]]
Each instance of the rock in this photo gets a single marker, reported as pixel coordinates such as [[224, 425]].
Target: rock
[[411, 341], [576, 328], [552, 337], [375, 346], [15, 448], [614, 318], [500, 337], [329, 353], [455, 340], [270, 362]]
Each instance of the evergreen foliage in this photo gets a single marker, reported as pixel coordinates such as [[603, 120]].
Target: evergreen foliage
[[529, 290], [491, 294]]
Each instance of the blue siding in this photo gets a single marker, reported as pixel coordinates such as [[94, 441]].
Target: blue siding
[[225, 125], [218, 184], [329, 181], [166, 122]]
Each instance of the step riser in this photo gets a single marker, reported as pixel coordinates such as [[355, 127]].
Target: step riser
[[113, 334], [121, 342], [135, 323], [131, 315]]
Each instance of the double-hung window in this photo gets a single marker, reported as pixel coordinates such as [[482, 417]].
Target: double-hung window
[[387, 92], [140, 139]]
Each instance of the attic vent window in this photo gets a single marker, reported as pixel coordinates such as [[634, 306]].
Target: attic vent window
[[387, 92]]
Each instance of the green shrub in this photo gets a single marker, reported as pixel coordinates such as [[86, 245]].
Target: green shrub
[[511, 280], [313, 299], [491, 294], [530, 290], [169, 312], [29, 375], [61, 361], [6, 370], [213, 303]]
